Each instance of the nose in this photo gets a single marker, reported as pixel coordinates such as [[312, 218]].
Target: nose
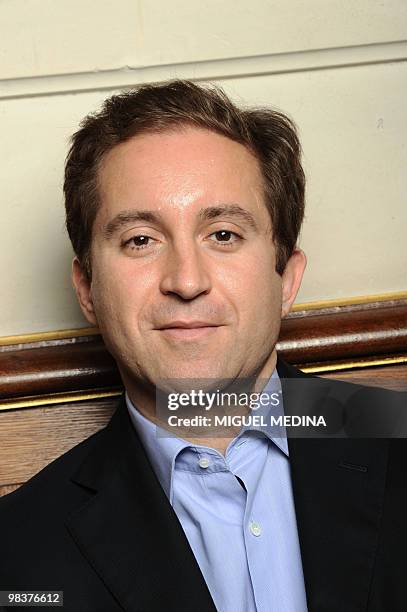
[[185, 274]]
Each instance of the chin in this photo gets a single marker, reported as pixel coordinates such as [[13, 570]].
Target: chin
[[200, 375]]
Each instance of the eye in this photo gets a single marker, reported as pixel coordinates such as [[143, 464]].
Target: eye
[[138, 242], [225, 238]]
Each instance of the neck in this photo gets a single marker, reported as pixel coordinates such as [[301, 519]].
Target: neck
[[143, 397]]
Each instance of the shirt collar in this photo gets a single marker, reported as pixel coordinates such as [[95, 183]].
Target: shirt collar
[[275, 433], [160, 445], [163, 447]]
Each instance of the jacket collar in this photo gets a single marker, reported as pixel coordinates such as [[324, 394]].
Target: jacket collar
[[128, 531]]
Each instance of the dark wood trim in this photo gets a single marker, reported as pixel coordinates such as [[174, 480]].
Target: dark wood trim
[[346, 333], [343, 333], [59, 368]]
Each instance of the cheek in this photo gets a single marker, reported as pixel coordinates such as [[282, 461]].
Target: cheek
[[110, 294], [123, 279], [123, 297], [272, 296], [253, 285]]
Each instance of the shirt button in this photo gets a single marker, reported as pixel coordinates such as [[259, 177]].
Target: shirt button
[[203, 462], [255, 528]]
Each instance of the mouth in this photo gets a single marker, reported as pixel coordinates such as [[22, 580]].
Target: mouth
[[188, 330]]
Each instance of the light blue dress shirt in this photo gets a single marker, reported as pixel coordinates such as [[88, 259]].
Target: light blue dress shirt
[[244, 538]]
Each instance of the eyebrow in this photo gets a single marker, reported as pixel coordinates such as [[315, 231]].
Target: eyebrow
[[228, 210], [126, 217]]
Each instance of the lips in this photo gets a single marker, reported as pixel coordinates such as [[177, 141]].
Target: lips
[[187, 325], [188, 330]]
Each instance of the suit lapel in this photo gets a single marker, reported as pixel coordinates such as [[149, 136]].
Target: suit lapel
[[128, 531], [338, 487]]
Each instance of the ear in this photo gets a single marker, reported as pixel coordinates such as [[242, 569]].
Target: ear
[[82, 287], [291, 280]]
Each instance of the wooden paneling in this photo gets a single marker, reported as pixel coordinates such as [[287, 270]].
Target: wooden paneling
[[56, 368], [9, 489], [347, 332], [33, 437], [389, 377], [323, 336]]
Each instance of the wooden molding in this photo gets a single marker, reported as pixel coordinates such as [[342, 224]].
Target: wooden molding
[[345, 333], [321, 339]]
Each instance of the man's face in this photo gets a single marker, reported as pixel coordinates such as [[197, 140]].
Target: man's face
[[183, 263]]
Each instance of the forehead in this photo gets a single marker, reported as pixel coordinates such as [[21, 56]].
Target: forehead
[[180, 167]]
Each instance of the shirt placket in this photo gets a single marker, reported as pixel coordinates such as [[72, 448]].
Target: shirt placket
[[247, 464]]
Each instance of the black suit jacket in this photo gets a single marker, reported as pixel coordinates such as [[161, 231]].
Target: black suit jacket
[[96, 523]]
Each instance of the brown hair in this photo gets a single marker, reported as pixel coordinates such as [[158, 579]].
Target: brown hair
[[268, 134]]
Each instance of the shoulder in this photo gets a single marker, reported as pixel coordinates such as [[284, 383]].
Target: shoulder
[[33, 536], [354, 410], [342, 388]]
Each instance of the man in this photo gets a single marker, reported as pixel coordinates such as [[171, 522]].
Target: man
[[184, 213]]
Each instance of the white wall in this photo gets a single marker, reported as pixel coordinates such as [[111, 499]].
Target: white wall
[[337, 67]]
